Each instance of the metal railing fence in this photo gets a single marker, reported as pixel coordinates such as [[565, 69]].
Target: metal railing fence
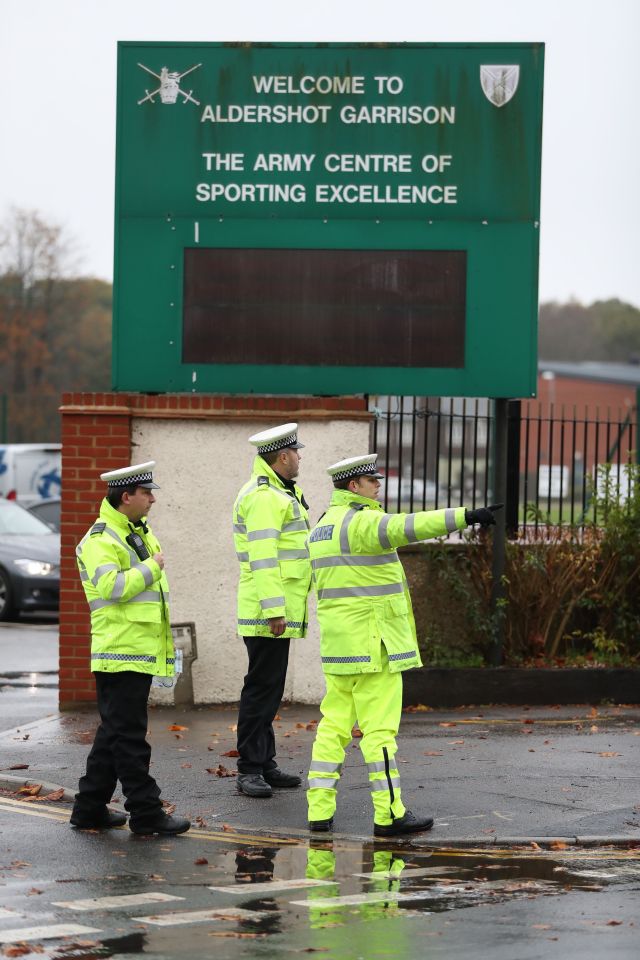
[[438, 452]]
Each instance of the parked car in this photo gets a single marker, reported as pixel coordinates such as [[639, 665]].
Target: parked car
[[48, 511], [29, 562]]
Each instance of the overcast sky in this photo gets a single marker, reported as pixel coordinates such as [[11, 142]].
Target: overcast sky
[[58, 110]]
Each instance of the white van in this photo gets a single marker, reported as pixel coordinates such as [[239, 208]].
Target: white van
[[30, 471]]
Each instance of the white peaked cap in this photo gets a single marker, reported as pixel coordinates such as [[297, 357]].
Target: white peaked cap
[[139, 473], [277, 438], [364, 465]]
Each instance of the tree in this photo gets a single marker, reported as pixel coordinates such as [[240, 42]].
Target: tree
[[55, 329]]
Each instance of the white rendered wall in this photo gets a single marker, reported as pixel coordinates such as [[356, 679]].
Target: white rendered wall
[[200, 466]]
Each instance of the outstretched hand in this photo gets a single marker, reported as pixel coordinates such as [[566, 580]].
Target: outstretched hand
[[483, 515]]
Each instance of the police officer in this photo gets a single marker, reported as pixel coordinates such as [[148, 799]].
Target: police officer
[[270, 526], [122, 571], [368, 637]]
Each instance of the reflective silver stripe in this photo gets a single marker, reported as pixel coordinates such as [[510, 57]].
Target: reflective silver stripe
[[103, 568], [83, 574], [293, 554], [354, 560], [377, 767], [382, 532], [450, 520], [296, 509], [410, 528], [324, 783], [242, 556], [98, 604], [269, 533], [263, 564], [325, 766], [293, 624], [376, 590], [239, 528], [362, 659], [133, 557], [145, 571], [384, 784], [344, 530], [127, 657], [148, 596], [272, 602], [409, 655], [295, 525], [118, 586]]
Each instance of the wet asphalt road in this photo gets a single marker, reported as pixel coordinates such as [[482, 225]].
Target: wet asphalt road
[[221, 896], [486, 774]]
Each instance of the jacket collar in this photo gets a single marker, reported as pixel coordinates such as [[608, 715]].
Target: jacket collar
[[115, 518], [344, 498], [262, 469]]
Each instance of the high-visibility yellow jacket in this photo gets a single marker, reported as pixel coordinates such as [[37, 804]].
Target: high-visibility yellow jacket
[[270, 529], [363, 597], [128, 598]]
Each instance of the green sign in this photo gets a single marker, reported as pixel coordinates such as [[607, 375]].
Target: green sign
[[328, 218]]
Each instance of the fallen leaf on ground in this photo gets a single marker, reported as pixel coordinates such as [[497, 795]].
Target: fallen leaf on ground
[[541, 926], [558, 845], [233, 727], [614, 923], [452, 742], [528, 720], [32, 791], [176, 726], [56, 795], [433, 753], [200, 861], [448, 723], [231, 753], [311, 725], [34, 892], [19, 766], [185, 766], [17, 950], [201, 822], [356, 734], [417, 708], [609, 753], [157, 878], [228, 828], [221, 771], [593, 729], [535, 846]]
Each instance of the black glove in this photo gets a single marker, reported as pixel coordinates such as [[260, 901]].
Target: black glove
[[483, 515]]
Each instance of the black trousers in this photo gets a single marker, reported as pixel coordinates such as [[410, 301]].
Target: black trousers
[[120, 750], [259, 702]]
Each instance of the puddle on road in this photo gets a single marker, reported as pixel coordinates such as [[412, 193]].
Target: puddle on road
[[224, 898]]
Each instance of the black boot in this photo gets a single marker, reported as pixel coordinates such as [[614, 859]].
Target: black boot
[[406, 824]]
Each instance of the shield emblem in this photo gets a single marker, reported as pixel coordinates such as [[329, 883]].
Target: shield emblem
[[499, 82]]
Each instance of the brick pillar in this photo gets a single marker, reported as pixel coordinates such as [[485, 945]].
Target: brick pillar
[[96, 436]]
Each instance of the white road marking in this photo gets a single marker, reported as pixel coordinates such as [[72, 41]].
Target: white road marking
[[357, 898], [45, 933], [270, 886], [107, 903], [201, 916]]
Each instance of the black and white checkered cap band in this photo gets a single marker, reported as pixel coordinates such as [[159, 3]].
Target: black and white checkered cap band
[[281, 444], [356, 471], [136, 478]]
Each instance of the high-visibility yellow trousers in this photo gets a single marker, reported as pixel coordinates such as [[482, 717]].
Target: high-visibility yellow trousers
[[375, 701]]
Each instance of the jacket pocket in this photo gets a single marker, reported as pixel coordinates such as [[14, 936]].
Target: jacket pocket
[[143, 612], [395, 607], [295, 569]]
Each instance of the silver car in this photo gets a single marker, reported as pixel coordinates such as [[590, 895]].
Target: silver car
[[29, 562]]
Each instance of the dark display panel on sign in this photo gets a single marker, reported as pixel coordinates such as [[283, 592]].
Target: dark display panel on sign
[[371, 308]]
